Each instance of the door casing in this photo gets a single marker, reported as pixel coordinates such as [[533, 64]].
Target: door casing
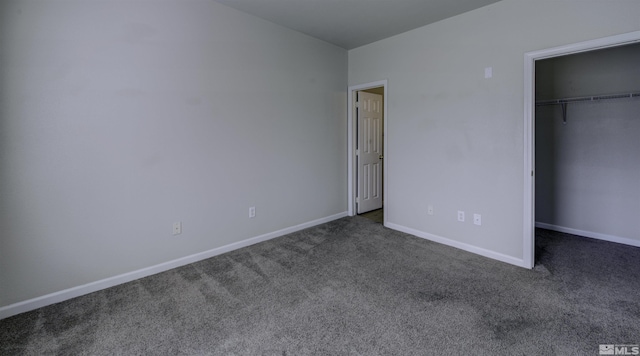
[[352, 139], [528, 255]]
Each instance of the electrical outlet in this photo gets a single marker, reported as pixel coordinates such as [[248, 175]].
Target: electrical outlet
[[477, 219], [252, 212], [460, 216], [177, 227], [430, 210]]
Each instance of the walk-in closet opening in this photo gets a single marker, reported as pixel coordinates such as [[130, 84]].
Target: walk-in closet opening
[[587, 144]]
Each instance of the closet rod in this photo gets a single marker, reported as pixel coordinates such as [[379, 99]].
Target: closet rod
[[587, 98], [563, 102]]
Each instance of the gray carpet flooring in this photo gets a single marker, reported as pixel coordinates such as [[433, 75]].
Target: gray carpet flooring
[[354, 287]]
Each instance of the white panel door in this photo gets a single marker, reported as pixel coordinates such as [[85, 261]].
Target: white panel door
[[369, 152]]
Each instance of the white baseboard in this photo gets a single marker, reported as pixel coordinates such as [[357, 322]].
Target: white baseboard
[[38, 302], [461, 245], [593, 235]]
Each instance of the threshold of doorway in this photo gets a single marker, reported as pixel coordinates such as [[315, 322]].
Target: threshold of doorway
[[375, 215]]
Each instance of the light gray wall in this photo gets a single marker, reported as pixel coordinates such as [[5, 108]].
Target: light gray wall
[[602, 72], [118, 118], [455, 139], [588, 171]]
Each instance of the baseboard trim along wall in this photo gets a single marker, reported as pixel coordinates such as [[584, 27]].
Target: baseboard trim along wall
[[66, 294], [593, 235], [461, 245]]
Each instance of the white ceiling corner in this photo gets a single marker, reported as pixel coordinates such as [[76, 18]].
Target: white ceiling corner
[[354, 23]]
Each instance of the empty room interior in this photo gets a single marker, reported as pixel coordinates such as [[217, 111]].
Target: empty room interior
[[191, 177]]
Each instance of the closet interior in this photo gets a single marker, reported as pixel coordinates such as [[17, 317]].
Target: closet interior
[[587, 144]]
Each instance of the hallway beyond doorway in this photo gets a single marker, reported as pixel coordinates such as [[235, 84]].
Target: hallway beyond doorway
[[374, 215]]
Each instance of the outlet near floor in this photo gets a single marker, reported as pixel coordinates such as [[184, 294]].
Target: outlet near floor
[[460, 216]]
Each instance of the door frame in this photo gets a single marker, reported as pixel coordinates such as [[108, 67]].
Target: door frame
[[529, 124], [352, 182]]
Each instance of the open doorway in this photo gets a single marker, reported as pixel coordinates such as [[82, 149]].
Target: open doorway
[[563, 104], [367, 147], [586, 132]]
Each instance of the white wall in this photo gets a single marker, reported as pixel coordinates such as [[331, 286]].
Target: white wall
[[118, 118], [587, 170], [455, 139], [607, 71]]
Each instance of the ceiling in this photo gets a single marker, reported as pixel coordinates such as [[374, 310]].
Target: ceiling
[[354, 23]]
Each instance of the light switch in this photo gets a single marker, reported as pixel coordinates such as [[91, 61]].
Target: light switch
[[488, 72]]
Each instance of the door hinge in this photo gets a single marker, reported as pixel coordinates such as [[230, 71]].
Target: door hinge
[[358, 200], [357, 104], [357, 152]]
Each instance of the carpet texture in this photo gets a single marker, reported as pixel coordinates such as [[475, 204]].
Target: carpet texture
[[354, 287]]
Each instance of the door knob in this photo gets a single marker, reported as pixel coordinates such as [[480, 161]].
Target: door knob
[[380, 157]]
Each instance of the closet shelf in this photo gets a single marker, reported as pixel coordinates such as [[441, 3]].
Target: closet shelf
[[586, 98]]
